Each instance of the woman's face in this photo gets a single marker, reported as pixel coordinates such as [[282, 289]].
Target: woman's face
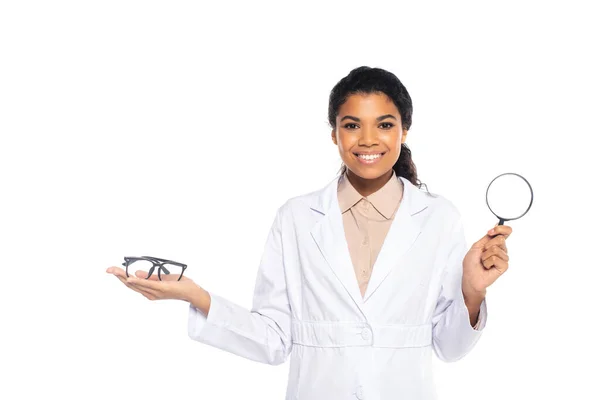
[[369, 135]]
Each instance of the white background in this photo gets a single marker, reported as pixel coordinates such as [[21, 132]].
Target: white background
[[176, 129]]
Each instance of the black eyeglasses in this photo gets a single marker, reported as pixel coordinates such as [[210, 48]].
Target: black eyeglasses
[[148, 265]]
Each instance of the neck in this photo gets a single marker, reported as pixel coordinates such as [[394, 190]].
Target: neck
[[367, 187]]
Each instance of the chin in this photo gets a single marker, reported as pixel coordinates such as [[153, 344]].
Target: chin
[[370, 172]]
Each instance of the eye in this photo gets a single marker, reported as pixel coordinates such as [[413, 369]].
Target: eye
[[388, 123], [347, 126]]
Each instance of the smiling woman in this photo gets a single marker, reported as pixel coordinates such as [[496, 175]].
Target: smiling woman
[[370, 113], [362, 281]]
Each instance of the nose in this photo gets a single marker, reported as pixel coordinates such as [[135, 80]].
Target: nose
[[368, 137]]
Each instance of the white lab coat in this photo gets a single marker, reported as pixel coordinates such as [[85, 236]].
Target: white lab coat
[[307, 302]]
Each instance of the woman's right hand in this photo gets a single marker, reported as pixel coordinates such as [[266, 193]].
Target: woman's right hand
[[169, 288]]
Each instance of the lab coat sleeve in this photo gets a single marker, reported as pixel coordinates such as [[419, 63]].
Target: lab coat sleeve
[[262, 333], [453, 335]]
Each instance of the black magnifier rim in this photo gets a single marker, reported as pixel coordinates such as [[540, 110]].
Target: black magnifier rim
[[488, 189]]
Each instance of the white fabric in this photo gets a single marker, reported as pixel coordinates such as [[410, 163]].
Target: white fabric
[[307, 304]]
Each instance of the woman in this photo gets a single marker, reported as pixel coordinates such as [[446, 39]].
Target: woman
[[361, 280]]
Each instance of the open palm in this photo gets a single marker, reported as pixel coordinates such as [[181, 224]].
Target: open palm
[[152, 288]]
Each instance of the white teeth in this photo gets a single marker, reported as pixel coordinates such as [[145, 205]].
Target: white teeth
[[369, 157]]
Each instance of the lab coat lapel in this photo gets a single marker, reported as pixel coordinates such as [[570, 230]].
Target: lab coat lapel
[[402, 234], [329, 236]]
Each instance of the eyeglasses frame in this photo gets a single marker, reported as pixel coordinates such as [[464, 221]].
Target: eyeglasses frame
[[156, 262]]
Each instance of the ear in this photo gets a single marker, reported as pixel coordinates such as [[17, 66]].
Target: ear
[[333, 138], [404, 133]]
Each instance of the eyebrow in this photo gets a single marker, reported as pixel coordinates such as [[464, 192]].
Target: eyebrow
[[358, 119]]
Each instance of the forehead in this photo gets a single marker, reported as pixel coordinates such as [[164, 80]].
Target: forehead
[[372, 104]]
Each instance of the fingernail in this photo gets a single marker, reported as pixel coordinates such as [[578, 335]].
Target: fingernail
[[491, 231]]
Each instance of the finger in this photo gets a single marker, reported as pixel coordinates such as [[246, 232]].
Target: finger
[[499, 241], [148, 293], [170, 277], [489, 262], [495, 262], [116, 271], [154, 277], [481, 242], [124, 280], [494, 251], [139, 290], [501, 266], [147, 284], [505, 230], [144, 275]]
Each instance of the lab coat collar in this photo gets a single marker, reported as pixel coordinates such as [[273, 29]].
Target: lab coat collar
[[328, 234]]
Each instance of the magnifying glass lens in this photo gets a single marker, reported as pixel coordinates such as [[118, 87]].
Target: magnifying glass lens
[[509, 196]]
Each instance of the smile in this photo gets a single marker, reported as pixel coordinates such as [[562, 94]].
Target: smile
[[369, 158]]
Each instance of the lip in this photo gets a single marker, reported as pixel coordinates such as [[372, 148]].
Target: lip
[[369, 162], [368, 152]]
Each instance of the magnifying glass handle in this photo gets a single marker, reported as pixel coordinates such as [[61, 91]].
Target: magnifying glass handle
[[501, 222]]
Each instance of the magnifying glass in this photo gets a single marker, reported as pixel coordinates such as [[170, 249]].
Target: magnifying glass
[[509, 196]]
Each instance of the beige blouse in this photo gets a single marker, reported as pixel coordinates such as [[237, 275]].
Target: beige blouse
[[367, 221]]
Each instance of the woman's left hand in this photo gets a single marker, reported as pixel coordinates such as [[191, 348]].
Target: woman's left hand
[[153, 289], [485, 261]]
